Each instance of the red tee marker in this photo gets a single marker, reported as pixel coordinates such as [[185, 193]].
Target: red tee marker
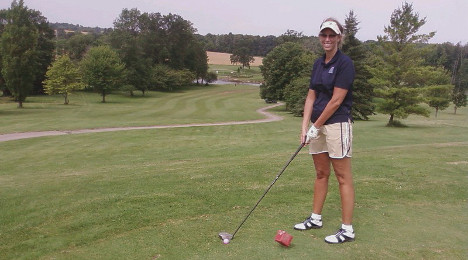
[[283, 238]]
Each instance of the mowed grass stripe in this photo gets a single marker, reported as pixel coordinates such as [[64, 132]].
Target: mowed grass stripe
[[229, 105], [156, 108]]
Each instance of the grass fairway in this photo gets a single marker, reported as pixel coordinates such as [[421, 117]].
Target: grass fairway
[[166, 193], [233, 73], [204, 104]]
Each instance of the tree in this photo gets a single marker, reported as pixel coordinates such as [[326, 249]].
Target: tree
[[102, 70], [281, 66], [197, 61], [153, 38], [44, 51], [400, 59], [77, 45], [438, 97], [295, 94], [211, 77], [458, 99], [44, 48], [167, 79], [363, 91], [258, 45], [290, 36], [3, 21], [242, 55], [18, 48], [63, 77], [126, 39], [460, 79], [147, 42], [179, 35]]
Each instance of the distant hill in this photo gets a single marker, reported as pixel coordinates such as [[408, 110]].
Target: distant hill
[[78, 28]]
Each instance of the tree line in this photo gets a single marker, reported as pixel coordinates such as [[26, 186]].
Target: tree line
[[149, 51], [395, 75], [144, 51]]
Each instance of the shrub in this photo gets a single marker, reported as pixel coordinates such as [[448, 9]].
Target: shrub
[[165, 78]]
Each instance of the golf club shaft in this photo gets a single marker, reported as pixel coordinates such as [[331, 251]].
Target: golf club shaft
[[269, 187]]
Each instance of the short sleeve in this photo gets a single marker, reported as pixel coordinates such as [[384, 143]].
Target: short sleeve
[[345, 75]]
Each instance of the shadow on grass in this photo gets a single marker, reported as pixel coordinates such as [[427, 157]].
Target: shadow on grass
[[396, 124]]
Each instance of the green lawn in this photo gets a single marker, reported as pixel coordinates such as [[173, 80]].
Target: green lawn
[[167, 193]]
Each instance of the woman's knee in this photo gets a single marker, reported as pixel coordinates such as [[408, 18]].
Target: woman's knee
[[322, 166], [322, 174], [342, 169], [344, 177]]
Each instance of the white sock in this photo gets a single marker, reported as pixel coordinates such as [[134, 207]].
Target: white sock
[[316, 216], [348, 228]]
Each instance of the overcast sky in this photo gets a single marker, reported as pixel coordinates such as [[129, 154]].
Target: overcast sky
[[449, 18]]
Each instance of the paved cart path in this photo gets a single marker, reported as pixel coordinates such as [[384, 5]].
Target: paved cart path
[[269, 117]]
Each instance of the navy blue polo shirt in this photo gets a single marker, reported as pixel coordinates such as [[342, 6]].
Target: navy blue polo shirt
[[339, 72]]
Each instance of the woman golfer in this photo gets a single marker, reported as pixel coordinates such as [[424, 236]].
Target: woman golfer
[[326, 127]]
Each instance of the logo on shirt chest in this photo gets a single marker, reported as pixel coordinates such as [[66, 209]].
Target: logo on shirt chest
[[331, 70]]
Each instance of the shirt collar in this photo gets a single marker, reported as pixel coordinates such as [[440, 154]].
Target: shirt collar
[[333, 60]]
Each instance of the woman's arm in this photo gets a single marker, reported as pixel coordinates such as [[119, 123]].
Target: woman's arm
[[308, 106]]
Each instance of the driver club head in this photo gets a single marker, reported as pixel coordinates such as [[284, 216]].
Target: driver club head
[[225, 235]]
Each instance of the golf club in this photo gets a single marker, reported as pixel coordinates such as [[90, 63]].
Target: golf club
[[229, 237]]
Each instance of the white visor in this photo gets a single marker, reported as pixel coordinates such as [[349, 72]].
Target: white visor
[[332, 25]]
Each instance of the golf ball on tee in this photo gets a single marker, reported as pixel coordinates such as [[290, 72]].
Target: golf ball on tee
[[226, 241]]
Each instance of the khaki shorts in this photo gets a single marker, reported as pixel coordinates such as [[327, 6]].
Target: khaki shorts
[[335, 139]]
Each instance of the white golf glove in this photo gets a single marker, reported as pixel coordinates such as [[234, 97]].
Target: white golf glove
[[312, 133]]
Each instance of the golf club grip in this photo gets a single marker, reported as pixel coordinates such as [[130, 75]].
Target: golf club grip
[[269, 187]]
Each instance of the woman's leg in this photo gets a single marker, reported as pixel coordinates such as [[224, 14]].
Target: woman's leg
[[322, 169], [342, 168]]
